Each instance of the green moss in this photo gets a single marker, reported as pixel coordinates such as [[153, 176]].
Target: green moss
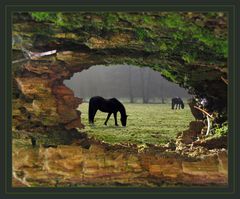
[[43, 16], [168, 75], [163, 47], [141, 34], [174, 20], [221, 130], [148, 20], [145, 26], [110, 19], [189, 58]]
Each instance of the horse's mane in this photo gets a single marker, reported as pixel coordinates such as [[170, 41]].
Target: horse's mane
[[123, 110], [121, 107]]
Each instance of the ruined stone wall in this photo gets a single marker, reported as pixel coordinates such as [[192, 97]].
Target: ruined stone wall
[[98, 166]]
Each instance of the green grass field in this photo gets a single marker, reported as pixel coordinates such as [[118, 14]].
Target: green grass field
[[147, 123]]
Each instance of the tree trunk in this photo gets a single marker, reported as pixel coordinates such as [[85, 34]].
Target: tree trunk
[[145, 84], [130, 84]]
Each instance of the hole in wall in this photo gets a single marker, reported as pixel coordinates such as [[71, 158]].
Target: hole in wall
[[146, 96]]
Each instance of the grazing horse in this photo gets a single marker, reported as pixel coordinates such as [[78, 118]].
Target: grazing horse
[[108, 106], [177, 102]]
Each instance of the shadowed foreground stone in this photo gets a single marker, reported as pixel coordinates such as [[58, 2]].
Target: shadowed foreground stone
[[75, 166]]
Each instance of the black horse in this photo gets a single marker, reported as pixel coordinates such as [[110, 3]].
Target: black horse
[[177, 102], [108, 106]]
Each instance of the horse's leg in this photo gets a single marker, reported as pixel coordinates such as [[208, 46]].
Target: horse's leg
[[172, 105], [109, 114], [90, 112], [115, 118], [93, 115]]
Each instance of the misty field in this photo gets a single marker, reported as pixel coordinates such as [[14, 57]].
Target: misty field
[[147, 123]]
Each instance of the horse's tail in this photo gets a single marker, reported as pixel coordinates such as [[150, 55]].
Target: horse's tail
[[90, 111]]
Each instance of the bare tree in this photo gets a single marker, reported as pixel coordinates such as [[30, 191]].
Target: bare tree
[[130, 85], [145, 76]]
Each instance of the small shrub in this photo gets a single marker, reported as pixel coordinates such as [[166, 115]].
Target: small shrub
[[221, 130]]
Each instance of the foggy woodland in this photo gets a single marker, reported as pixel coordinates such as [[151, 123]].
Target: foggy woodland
[[128, 83]]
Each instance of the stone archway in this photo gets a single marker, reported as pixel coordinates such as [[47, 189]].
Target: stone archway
[[171, 43], [50, 102], [45, 109]]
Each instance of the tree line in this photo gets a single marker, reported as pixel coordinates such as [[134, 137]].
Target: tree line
[[126, 82]]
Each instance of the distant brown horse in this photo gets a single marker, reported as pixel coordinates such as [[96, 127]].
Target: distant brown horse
[[108, 106]]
